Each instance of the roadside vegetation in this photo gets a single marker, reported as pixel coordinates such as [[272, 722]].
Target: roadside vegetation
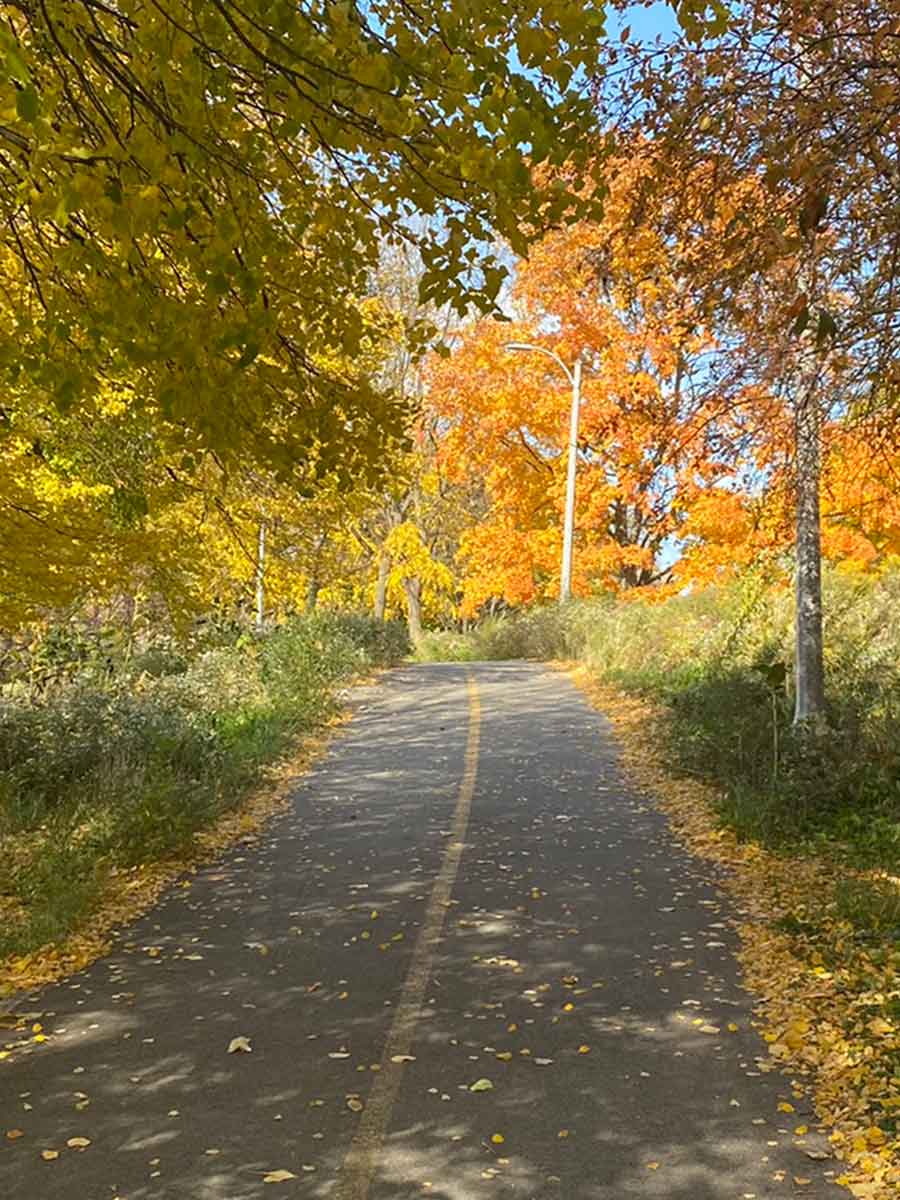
[[718, 664], [114, 756]]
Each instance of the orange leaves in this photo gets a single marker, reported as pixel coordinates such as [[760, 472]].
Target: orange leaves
[[645, 452]]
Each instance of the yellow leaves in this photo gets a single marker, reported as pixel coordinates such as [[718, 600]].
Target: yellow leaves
[[279, 1176], [49, 1155], [78, 1143], [826, 1022], [881, 1028], [481, 1085], [584, 1049], [13, 1134], [498, 1139]]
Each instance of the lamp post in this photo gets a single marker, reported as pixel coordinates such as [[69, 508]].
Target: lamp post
[[574, 377]]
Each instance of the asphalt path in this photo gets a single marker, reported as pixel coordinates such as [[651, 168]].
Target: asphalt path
[[464, 891]]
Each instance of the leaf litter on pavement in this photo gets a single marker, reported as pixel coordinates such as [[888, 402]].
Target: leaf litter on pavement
[[829, 1007]]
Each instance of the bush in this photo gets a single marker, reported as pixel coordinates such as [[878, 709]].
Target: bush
[[101, 774], [720, 661]]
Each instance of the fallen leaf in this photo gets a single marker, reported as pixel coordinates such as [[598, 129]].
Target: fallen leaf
[[355, 1105], [278, 1176], [403, 1058], [239, 1043], [78, 1143], [584, 1049], [498, 1139], [817, 1155], [49, 1155], [481, 1085], [652, 1166]]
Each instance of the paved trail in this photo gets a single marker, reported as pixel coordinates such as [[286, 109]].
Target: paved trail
[[464, 879]]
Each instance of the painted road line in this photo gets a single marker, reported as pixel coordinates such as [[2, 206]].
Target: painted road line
[[363, 1158]]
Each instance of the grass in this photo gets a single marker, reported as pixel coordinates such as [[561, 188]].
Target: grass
[[718, 666], [107, 770]]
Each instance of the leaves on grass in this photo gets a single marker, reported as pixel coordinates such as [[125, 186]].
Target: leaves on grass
[[830, 1001]]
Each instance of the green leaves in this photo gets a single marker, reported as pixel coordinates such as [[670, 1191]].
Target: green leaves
[[800, 322], [825, 329], [27, 105]]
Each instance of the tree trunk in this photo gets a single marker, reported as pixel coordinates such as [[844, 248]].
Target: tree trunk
[[381, 584], [261, 577], [413, 590], [312, 593], [809, 663]]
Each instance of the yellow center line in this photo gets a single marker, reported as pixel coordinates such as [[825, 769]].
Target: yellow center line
[[363, 1157]]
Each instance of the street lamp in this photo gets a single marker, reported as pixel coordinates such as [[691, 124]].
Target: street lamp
[[574, 377]]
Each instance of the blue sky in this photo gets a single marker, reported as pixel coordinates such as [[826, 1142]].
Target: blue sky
[[645, 21]]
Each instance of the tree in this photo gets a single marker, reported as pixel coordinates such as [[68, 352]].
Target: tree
[[655, 431], [798, 101], [193, 197]]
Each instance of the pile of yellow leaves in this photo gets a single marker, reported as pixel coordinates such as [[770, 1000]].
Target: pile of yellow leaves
[[823, 1000]]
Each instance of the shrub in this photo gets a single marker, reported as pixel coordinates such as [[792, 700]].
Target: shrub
[[719, 661], [113, 771]]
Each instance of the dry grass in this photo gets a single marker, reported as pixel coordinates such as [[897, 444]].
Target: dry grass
[[829, 1004]]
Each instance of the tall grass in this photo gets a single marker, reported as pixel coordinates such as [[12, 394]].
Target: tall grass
[[111, 769], [719, 663]]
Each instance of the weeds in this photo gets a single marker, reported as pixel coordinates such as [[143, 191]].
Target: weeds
[[719, 662], [109, 770]]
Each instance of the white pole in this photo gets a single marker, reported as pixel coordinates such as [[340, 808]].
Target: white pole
[[261, 577], [565, 582]]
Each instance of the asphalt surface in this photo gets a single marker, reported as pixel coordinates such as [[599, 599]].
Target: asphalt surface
[[565, 890]]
